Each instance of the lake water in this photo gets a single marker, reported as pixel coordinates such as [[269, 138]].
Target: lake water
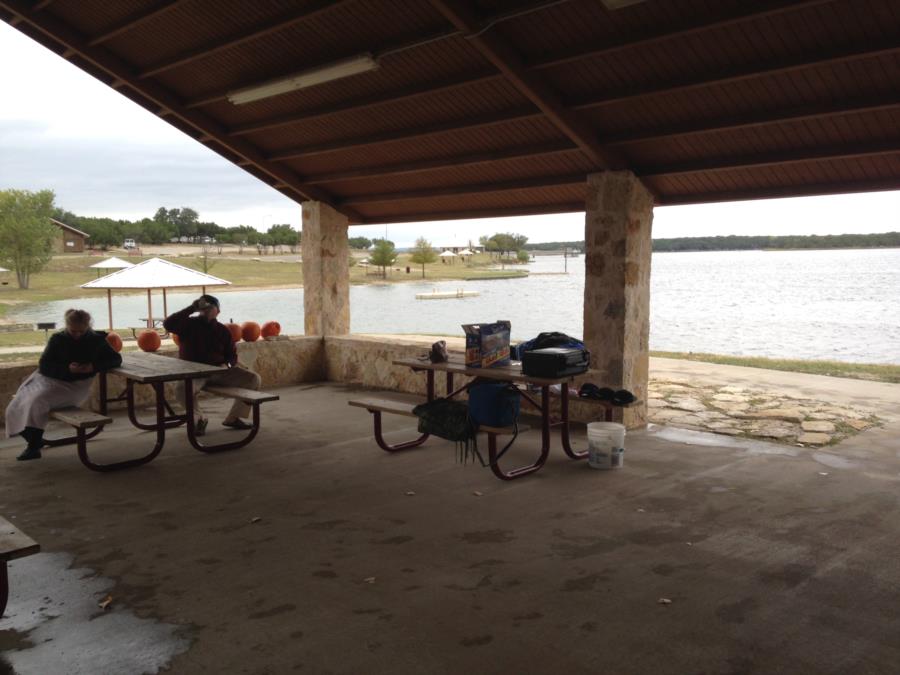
[[841, 305]]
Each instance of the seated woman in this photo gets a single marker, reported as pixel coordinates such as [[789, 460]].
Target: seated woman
[[63, 379]]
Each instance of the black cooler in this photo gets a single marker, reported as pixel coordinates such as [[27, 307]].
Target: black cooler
[[553, 362]]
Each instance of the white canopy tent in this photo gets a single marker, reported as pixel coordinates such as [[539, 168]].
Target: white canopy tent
[[466, 252], [111, 264], [448, 255], [155, 273]]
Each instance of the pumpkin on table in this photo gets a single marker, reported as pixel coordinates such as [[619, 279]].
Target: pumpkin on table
[[148, 340]]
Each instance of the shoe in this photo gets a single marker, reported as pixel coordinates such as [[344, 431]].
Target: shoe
[[623, 397], [589, 390], [237, 424], [29, 453], [200, 427]]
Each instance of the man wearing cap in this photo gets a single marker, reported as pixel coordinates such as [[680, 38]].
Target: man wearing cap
[[204, 340]]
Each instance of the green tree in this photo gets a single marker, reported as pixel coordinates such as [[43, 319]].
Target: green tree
[[283, 235], [26, 233], [423, 254], [523, 256], [361, 243], [383, 255]]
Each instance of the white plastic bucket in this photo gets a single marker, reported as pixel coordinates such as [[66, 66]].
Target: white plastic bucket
[[606, 445]]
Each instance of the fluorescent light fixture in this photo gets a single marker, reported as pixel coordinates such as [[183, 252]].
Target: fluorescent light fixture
[[619, 4], [308, 78]]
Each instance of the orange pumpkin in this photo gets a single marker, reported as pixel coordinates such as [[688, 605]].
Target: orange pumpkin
[[175, 338], [250, 331], [148, 340], [235, 330], [270, 328], [114, 341]]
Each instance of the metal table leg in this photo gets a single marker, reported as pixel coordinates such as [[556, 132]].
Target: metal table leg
[[192, 428], [4, 587], [564, 426], [159, 427], [545, 444], [406, 445]]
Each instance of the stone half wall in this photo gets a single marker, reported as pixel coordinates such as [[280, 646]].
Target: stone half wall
[[359, 360]]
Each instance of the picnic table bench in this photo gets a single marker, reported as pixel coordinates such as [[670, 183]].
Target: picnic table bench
[[13, 544], [512, 373], [155, 370]]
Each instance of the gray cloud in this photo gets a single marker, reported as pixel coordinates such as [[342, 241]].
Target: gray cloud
[[128, 179]]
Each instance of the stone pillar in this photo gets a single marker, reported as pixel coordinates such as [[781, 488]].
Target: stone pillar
[[618, 220], [326, 271]]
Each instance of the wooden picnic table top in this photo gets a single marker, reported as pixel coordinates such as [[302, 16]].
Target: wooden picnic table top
[[510, 373], [145, 367], [14, 543]]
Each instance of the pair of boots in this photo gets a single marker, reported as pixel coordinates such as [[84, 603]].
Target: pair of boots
[[35, 438]]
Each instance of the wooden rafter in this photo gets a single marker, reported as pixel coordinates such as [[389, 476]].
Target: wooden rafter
[[54, 31], [471, 159], [632, 40], [746, 12], [508, 62], [261, 30], [470, 189], [744, 72], [758, 119], [412, 217], [780, 157], [808, 60], [368, 102], [134, 20], [808, 189], [489, 120]]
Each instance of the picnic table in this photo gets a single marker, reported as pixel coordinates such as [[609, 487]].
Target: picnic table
[[155, 370], [512, 373]]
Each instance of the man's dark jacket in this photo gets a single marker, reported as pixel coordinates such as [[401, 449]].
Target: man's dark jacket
[[200, 340]]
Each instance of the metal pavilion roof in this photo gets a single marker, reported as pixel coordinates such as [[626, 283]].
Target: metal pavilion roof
[[155, 273], [500, 107], [112, 264]]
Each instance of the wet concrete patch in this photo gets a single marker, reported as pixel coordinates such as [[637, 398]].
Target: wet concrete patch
[[53, 618]]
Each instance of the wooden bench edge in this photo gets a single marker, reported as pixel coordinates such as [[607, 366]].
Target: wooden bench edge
[[373, 404], [250, 396], [21, 552], [95, 419]]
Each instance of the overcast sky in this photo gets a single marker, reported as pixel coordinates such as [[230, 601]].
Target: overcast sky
[[106, 156]]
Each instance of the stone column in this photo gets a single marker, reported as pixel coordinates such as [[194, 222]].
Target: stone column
[[618, 220], [326, 271]]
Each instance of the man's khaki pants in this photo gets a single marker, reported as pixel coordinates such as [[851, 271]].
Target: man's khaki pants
[[237, 376]]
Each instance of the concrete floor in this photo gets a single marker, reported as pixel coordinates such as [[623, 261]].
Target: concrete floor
[[775, 559]]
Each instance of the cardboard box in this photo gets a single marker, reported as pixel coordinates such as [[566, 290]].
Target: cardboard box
[[487, 344]]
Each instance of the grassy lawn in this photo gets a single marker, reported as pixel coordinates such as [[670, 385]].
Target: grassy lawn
[[856, 371]]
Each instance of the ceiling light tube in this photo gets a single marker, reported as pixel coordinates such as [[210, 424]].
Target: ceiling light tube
[[308, 78]]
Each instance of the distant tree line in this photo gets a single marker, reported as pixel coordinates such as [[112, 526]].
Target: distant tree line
[[751, 243], [181, 224], [556, 246], [788, 242]]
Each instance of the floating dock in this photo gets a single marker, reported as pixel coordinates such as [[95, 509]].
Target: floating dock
[[446, 295]]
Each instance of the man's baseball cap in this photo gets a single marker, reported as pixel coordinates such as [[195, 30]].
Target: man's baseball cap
[[211, 299]]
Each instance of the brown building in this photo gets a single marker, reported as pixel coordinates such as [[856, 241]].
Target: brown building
[[69, 239]]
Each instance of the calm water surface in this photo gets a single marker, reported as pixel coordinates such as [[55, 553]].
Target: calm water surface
[[841, 305]]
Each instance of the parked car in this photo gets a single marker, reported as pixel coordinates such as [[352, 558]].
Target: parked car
[[129, 244]]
